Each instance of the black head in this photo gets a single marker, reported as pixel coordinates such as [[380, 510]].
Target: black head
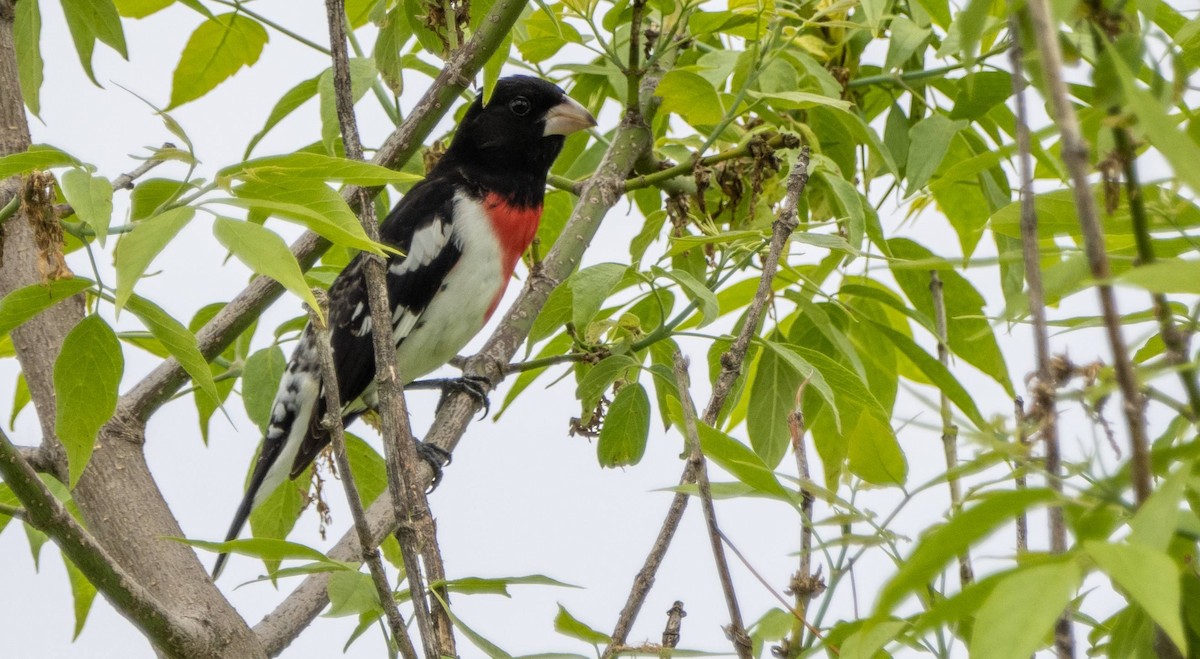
[[518, 134]]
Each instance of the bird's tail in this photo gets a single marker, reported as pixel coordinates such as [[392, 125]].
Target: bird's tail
[[261, 470]]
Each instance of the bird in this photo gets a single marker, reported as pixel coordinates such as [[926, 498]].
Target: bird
[[459, 234]]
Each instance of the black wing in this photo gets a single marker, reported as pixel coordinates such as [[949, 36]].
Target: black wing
[[422, 227]]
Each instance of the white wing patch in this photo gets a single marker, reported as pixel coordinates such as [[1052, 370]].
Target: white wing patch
[[427, 243]]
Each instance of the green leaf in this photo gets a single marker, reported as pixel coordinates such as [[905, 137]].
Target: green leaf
[[498, 585], [772, 400], [87, 374], [691, 97], [291, 99], [91, 198], [869, 639], [394, 32], [178, 340], [905, 37], [264, 252], [968, 332], [309, 166], [1149, 577], [696, 291], [626, 428], [589, 288], [138, 248], [362, 74], [598, 378], [1013, 622], [736, 458], [944, 543], [27, 37], [150, 195], [141, 8], [928, 142], [1157, 128], [312, 204], [21, 398], [38, 156], [863, 433], [1156, 521], [24, 303], [370, 470], [219, 48], [936, 372], [491, 70], [970, 24], [792, 100], [352, 593], [265, 548], [568, 625], [1165, 276], [82, 592], [89, 20], [260, 381]]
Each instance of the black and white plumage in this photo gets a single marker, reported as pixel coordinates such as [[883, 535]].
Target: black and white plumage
[[462, 231]]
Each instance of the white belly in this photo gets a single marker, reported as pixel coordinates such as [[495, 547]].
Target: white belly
[[460, 309]]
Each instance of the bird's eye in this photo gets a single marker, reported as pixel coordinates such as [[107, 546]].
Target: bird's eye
[[519, 106]]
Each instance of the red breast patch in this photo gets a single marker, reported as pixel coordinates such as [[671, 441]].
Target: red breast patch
[[515, 228]]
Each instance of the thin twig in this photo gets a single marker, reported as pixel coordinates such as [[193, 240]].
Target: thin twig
[[1022, 436], [1044, 393], [805, 584], [333, 425], [1174, 341], [731, 364], [736, 629], [670, 635], [416, 537], [15, 512], [1075, 156], [949, 430], [633, 71]]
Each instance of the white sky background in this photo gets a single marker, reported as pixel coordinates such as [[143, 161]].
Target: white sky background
[[521, 496]]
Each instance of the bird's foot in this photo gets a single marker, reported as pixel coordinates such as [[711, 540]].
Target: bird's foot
[[474, 385], [436, 457]]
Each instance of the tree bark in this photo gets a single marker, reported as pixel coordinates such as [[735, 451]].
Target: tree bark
[[120, 502]]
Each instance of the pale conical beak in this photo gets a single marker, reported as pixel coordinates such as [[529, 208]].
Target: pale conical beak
[[567, 117]]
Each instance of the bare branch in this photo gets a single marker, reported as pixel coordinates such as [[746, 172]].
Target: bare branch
[[333, 423], [731, 365], [47, 514], [949, 430], [1044, 394], [417, 538], [736, 629], [1075, 156]]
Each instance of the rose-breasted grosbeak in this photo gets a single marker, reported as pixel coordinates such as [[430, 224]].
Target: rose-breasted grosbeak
[[461, 231]]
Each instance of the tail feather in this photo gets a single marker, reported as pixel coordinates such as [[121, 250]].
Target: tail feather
[[287, 431]]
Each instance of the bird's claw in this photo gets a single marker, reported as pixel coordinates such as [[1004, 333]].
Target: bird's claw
[[474, 385], [436, 457]]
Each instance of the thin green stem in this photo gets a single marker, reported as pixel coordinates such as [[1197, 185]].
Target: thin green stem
[[273, 25], [923, 74], [10, 208], [386, 101]]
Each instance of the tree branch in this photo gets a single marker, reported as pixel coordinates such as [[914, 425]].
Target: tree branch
[[1075, 156], [417, 538], [42, 511], [1044, 393], [949, 431], [333, 423], [736, 629], [731, 365]]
